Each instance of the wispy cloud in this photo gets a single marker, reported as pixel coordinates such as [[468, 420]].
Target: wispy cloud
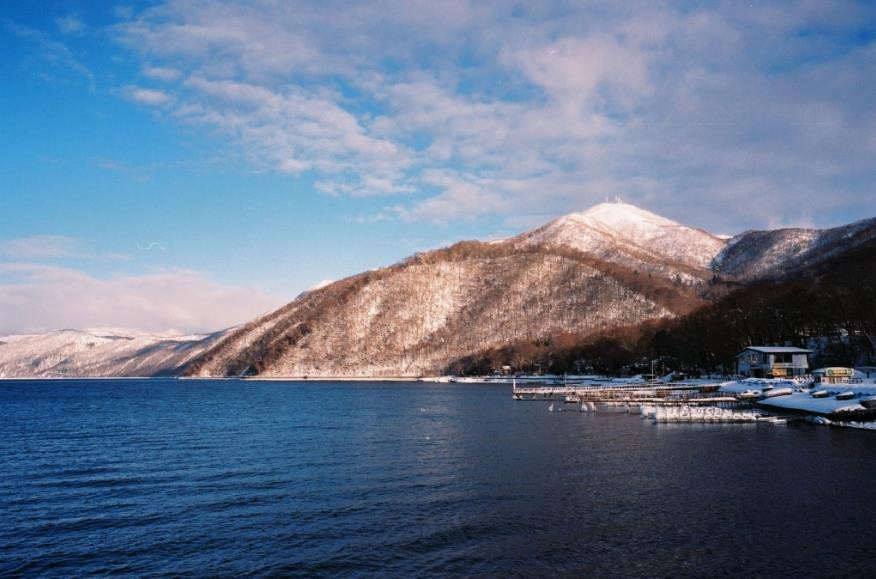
[[163, 73], [146, 96], [718, 114], [70, 24], [52, 247], [37, 297], [51, 53], [150, 246]]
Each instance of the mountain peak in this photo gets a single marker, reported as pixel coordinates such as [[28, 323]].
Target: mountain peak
[[619, 217], [619, 231], [620, 212]]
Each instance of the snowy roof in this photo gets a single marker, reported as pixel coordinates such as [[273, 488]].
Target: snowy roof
[[776, 350]]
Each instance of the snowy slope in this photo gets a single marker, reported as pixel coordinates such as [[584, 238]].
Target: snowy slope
[[418, 316], [97, 352], [620, 232], [757, 254]]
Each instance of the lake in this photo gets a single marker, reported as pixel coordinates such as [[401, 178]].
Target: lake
[[230, 477]]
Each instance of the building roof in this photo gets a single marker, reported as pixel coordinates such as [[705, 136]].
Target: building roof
[[776, 350]]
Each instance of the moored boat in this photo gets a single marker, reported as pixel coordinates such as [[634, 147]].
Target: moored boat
[[772, 393]]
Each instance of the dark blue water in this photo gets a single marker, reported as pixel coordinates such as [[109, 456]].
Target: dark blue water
[[229, 477]]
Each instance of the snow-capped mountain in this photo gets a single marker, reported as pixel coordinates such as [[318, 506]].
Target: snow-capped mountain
[[620, 232], [97, 352], [586, 273]]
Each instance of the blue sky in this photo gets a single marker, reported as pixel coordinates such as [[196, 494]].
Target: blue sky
[[186, 165]]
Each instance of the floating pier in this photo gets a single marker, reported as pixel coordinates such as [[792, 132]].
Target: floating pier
[[705, 415], [654, 394]]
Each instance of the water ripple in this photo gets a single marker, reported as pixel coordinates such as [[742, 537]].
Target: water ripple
[[160, 477]]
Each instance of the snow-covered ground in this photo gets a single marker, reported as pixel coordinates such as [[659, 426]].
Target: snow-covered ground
[[801, 398], [803, 401]]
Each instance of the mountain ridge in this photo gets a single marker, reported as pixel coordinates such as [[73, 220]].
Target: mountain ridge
[[590, 273]]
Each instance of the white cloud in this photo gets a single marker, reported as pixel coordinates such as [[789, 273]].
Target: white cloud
[[533, 108], [51, 247], [70, 24], [36, 297], [164, 73], [146, 96], [40, 247]]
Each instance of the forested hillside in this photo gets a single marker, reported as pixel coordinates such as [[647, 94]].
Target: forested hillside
[[830, 306], [414, 317]]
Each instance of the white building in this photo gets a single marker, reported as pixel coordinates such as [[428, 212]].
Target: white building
[[772, 361], [834, 375]]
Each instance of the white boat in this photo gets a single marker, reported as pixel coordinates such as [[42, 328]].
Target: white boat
[[819, 394], [570, 399], [868, 402], [848, 395], [778, 392], [551, 407]]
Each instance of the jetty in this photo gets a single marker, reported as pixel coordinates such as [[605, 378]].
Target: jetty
[[655, 394]]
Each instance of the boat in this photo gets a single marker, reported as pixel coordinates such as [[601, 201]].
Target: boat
[[819, 394], [749, 395], [777, 392], [848, 395], [551, 407], [570, 399], [868, 402]]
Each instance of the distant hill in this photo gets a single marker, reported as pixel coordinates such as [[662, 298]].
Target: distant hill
[[98, 352]]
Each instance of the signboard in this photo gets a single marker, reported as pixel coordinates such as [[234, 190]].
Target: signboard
[[839, 372]]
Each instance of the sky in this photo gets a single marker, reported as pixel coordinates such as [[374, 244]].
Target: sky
[[186, 165]]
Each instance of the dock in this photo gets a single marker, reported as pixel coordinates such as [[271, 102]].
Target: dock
[[662, 394]]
